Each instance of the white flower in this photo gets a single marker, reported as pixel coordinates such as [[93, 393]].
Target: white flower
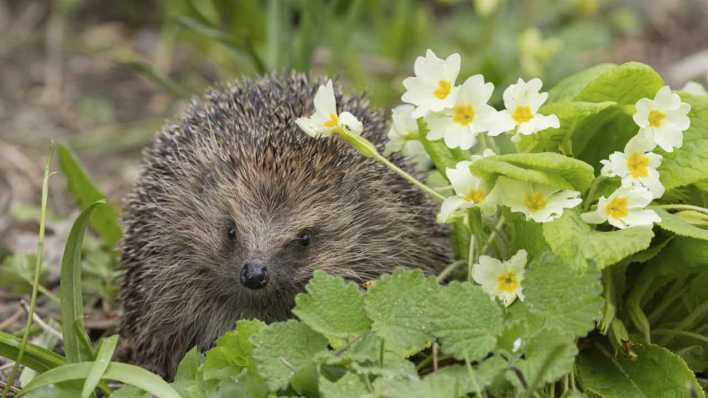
[[663, 119], [470, 191], [433, 87], [469, 116], [403, 137], [325, 121], [540, 203], [624, 208], [522, 101], [636, 165], [516, 346], [501, 279]]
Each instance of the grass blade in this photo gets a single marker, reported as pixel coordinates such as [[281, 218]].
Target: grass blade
[[124, 373], [72, 303], [103, 359], [37, 272], [35, 357], [105, 220]]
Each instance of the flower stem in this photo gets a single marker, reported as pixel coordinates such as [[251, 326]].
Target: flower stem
[[493, 235], [683, 207], [408, 177]]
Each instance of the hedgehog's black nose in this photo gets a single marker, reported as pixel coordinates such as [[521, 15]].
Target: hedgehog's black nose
[[254, 276]]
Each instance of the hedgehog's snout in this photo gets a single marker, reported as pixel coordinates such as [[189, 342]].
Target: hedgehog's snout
[[254, 275]]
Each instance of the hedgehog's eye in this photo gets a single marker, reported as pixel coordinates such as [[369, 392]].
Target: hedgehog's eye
[[304, 238], [231, 231]]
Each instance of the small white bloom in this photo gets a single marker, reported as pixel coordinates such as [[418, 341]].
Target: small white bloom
[[403, 137], [624, 208], [325, 121], [522, 101], [469, 116], [517, 345], [636, 165], [470, 191], [540, 203], [501, 279], [433, 87], [663, 119]]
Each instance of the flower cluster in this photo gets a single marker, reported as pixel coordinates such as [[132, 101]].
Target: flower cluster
[[457, 115], [661, 122]]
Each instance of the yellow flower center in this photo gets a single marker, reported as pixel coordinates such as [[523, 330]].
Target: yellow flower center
[[638, 164], [443, 89], [333, 121], [508, 282], [522, 114], [656, 118], [617, 208], [475, 196], [463, 114], [534, 201]]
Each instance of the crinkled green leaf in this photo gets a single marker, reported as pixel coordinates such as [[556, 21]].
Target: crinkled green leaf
[[543, 168], [689, 163], [433, 386], [656, 372], [478, 377], [349, 386], [624, 84], [232, 351], [571, 86], [677, 225], [188, 366], [283, 348], [569, 237], [332, 307], [547, 356], [399, 306], [566, 297], [465, 320]]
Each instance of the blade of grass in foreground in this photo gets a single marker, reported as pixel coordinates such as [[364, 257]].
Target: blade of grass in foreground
[[72, 303], [37, 272], [124, 373], [34, 357], [100, 365]]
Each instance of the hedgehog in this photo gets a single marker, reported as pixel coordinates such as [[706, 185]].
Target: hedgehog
[[235, 208]]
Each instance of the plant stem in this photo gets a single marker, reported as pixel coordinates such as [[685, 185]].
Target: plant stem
[[593, 188], [449, 269], [493, 235], [673, 332], [408, 177], [471, 259], [37, 271], [683, 207]]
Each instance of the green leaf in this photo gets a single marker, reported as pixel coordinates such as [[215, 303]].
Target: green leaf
[[569, 237], [98, 369], [476, 378], [105, 219], [689, 163], [332, 307], [72, 305], [677, 225], [466, 320], [567, 298], [624, 84], [188, 366], [433, 386], [571, 86], [398, 305], [233, 351], [548, 355], [124, 373], [34, 357], [283, 348], [348, 386], [656, 372], [542, 168]]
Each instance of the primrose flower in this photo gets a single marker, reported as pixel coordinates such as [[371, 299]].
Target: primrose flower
[[501, 279], [540, 203], [522, 101], [624, 208], [403, 136], [663, 119], [636, 165], [325, 121], [469, 116], [470, 191], [433, 87]]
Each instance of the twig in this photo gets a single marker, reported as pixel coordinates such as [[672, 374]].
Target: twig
[[45, 326], [12, 319]]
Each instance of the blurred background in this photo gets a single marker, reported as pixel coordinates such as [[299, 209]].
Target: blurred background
[[102, 76]]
